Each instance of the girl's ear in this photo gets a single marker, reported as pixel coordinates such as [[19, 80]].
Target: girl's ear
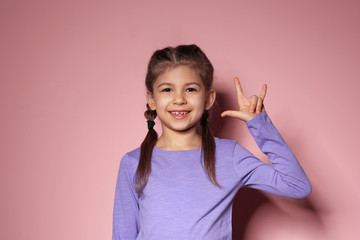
[[210, 99], [150, 100]]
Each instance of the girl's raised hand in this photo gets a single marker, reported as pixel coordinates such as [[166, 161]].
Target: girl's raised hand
[[248, 107]]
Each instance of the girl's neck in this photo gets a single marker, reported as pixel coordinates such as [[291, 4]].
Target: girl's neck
[[176, 141]]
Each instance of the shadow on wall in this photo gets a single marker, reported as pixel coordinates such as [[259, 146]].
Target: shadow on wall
[[248, 201]]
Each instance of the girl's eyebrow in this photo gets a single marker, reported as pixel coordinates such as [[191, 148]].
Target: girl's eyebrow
[[191, 83], [169, 84], [162, 84]]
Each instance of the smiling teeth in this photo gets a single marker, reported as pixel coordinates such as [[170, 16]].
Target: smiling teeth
[[179, 113]]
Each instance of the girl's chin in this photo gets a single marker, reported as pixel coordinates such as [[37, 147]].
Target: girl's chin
[[180, 128]]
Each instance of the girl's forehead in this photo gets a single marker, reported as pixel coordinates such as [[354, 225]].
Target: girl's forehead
[[178, 75]]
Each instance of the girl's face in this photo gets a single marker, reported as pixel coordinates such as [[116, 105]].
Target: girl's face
[[180, 98]]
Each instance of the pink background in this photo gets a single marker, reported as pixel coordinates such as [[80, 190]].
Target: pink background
[[72, 98]]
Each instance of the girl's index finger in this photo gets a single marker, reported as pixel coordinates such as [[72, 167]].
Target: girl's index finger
[[238, 88], [263, 92]]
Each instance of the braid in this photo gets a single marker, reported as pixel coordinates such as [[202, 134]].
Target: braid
[[208, 148], [147, 146]]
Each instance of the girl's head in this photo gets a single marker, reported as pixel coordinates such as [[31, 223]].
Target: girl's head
[[191, 63], [179, 86]]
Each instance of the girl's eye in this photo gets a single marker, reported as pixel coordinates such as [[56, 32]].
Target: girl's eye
[[166, 90], [191, 90]]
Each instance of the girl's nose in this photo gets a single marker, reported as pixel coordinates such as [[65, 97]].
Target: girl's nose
[[179, 99]]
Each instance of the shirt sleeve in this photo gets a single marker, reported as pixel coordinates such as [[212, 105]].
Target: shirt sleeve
[[285, 177], [126, 209]]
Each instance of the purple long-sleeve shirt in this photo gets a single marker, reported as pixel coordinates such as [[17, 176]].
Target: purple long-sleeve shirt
[[180, 202]]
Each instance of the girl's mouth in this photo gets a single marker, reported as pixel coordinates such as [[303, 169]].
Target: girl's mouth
[[179, 114]]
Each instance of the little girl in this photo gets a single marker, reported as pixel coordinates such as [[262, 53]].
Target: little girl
[[182, 184]]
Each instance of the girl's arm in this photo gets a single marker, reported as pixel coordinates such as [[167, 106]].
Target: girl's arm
[[285, 177], [126, 209]]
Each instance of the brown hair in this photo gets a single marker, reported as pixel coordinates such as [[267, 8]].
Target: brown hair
[[160, 61]]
